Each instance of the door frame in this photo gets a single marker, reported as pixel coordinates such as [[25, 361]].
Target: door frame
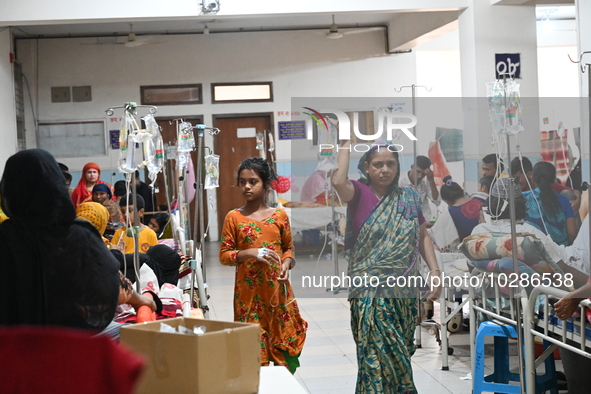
[[271, 115]]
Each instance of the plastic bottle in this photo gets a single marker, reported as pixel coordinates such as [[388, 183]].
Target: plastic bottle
[[144, 312]]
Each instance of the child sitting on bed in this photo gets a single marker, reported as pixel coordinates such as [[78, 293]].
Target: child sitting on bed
[[158, 222], [124, 241]]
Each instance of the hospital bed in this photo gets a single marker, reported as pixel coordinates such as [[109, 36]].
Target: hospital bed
[[327, 226], [313, 218], [538, 321], [453, 265]]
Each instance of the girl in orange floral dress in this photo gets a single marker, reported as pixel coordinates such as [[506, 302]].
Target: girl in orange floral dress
[[257, 240]]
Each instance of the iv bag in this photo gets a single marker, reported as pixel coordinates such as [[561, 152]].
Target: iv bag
[[186, 139], [153, 148], [327, 137], [126, 145], [271, 142], [260, 138], [514, 116], [212, 171], [495, 91]]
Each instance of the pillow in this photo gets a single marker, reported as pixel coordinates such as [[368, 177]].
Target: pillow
[[530, 251]]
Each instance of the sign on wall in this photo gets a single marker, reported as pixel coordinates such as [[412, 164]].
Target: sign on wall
[[292, 130], [508, 65], [114, 139]]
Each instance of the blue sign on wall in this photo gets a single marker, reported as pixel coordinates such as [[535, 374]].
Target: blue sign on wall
[[292, 130], [508, 64], [114, 139]]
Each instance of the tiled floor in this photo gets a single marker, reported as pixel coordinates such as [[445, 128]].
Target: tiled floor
[[328, 361]]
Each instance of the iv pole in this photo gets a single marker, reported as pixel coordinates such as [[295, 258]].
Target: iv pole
[[588, 67], [131, 108], [199, 205], [514, 252], [414, 152]]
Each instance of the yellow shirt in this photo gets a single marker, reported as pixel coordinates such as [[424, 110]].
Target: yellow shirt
[[3, 216], [146, 240]]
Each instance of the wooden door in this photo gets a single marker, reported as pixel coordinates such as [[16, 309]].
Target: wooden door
[[232, 150], [169, 137]]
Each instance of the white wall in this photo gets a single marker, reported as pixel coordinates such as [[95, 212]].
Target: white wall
[[7, 109], [300, 64]]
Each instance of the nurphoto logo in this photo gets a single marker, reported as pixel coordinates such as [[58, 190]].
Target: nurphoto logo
[[344, 127]]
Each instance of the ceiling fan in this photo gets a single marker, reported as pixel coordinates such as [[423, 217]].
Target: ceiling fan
[[334, 32], [135, 41]]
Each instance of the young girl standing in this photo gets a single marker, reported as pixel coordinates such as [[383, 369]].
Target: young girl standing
[[257, 240]]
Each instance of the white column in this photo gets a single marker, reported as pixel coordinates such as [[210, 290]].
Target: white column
[[584, 44], [486, 30], [7, 107]]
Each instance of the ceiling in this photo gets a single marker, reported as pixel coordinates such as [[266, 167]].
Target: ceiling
[[428, 24], [216, 24], [224, 24]]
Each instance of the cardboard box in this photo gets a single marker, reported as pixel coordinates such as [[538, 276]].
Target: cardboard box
[[226, 359]]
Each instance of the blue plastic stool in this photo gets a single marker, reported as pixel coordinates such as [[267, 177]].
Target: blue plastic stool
[[498, 381]]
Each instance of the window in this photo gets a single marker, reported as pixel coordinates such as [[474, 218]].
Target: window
[[171, 94], [242, 92], [73, 139]]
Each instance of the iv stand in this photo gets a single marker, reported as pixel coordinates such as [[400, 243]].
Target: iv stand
[[588, 67], [514, 292], [136, 220], [199, 189], [414, 176]]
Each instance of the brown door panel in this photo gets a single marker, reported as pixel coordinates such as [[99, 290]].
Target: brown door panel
[[232, 150]]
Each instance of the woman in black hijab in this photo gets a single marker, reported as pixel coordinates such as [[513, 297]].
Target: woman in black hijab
[[54, 269], [168, 260]]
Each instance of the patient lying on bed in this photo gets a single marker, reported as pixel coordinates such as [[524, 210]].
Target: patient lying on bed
[[490, 245], [538, 252]]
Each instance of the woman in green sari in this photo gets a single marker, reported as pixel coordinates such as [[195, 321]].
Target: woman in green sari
[[383, 239]]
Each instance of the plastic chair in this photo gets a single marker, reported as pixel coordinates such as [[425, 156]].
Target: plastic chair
[[498, 381]]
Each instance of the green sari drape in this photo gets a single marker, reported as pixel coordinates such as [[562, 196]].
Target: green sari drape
[[383, 318]]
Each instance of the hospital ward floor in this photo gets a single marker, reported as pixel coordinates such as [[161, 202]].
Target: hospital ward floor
[[328, 361]]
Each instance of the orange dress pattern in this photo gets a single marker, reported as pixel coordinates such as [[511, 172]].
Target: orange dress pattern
[[258, 296]]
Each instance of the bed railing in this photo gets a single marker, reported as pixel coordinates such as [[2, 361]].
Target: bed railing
[[534, 326]]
